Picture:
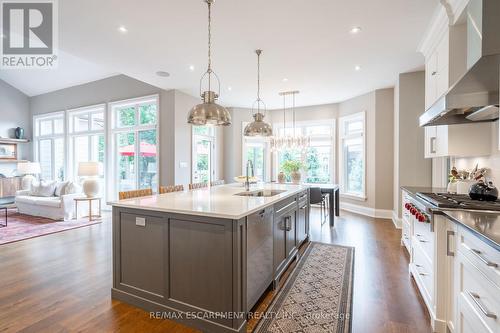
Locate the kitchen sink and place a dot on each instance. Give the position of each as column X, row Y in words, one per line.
column 260, row 193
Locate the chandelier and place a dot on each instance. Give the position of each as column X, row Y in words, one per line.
column 287, row 141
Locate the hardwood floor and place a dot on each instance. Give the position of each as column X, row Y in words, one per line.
column 62, row 282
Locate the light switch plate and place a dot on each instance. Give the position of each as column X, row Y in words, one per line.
column 140, row 221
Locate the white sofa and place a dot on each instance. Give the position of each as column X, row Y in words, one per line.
column 54, row 207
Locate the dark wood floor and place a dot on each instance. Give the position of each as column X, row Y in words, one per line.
column 61, row 282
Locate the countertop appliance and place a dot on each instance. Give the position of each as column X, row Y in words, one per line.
column 259, row 254
column 474, row 97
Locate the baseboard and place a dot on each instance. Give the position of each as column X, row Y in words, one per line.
column 366, row 211
column 396, row 220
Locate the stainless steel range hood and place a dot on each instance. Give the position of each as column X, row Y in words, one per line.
column 474, row 97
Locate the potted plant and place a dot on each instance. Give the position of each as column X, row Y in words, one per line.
column 292, row 169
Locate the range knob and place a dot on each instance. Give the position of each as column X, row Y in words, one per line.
column 413, row 211
column 407, row 206
column 422, row 218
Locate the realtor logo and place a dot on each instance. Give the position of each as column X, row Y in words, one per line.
column 29, row 34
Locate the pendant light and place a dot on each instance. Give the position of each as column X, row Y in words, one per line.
column 283, row 142
column 209, row 112
column 258, row 127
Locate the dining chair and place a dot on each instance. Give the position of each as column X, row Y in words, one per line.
column 317, row 197
column 218, row 182
column 171, row 188
column 195, row 186
column 135, row 194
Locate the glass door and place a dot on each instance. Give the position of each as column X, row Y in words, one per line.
column 202, row 161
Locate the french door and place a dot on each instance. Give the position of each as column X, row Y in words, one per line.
column 136, row 166
column 203, row 152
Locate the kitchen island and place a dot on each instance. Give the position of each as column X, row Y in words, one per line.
column 204, row 257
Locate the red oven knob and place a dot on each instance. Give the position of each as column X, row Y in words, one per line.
column 413, row 211
column 422, row 218
column 407, row 206
column 418, row 216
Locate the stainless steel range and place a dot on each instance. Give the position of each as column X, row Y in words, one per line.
column 458, row 201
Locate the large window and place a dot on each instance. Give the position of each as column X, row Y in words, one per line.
column 135, row 138
column 49, row 145
column 319, row 158
column 352, row 163
column 86, row 128
column 203, row 165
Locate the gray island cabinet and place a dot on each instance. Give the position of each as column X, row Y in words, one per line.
column 205, row 257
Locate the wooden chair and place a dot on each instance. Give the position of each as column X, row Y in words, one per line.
column 171, row 188
column 196, row 186
column 135, row 194
column 218, row 182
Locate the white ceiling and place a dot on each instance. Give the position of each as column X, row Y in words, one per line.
column 307, row 42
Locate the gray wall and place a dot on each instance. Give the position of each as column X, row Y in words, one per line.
column 410, row 166
column 14, row 112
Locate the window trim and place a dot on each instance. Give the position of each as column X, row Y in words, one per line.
column 37, row 119
column 342, row 137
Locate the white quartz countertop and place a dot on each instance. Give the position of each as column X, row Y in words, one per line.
column 217, row 201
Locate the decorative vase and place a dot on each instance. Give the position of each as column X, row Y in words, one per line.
column 281, row 177
column 463, row 186
column 296, row 177
column 19, row 132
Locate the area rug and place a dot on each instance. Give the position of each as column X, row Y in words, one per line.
column 317, row 296
column 20, row 226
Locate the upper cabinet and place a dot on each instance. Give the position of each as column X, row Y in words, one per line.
column 458, row 140
column 437, row 71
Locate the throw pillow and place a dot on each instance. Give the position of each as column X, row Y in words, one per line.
column 43, row 189
column 72, row 188
column 60, row 188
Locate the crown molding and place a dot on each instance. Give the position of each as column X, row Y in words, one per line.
column 436, row 29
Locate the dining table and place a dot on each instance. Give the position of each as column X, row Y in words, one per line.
column 333, row 191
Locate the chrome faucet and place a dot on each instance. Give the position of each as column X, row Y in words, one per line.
column 247, row 182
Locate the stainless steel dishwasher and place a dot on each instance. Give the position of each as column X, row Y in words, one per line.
column 259, row 254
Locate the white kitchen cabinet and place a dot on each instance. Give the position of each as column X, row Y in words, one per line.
column 461, row 140
column 437, row 71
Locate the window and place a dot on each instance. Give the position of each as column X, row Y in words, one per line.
column 87, row 139
column 319, row 157
column 49, row 145
column 203, row 168
column 352, row 135
column 135, row 144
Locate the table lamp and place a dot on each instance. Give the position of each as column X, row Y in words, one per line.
column 89, row 170
column 29, row 170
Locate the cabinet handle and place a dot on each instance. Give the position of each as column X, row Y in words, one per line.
column 434, row 73
column 288, row 223
column 477, row 300
column 433, row 145
column 480, row 256
column 449, row 233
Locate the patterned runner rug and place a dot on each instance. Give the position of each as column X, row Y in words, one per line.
column 20, row 226
column 318, row 295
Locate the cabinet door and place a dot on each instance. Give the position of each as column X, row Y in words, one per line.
column 453, row 290
column 280, row 234
column 430, row 141
column 442, row 141
column 443, row 64
column 302, row 223
column 291, row 230
column 430, row 80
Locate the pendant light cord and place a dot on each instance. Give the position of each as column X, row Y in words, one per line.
column 258, row 79
column 209, row 70
column 293, row 114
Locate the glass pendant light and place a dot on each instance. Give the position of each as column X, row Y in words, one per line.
column 209, row 112
column 286, row 141
column 258, row 127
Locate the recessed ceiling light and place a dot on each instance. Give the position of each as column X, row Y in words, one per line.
column 229, row 88
column 191, row 68
column 285, row 80
column 122, row 29
column 163, row 74
column 357, row 68
column 355, row 30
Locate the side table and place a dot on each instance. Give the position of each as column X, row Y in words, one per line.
column 89, row 200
